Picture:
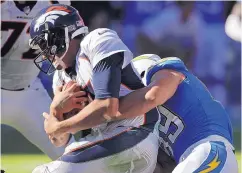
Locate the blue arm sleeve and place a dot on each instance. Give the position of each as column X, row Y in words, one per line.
column 107, row 76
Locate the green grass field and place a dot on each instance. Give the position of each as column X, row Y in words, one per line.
column 21, row 163
column 26, row 163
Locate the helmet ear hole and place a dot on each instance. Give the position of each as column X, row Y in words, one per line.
column 142, row 74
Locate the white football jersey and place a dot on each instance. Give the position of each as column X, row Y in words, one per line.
column 18, row 69
column 97, row 45
column 102, row 43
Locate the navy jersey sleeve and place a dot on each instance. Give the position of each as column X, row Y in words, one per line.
column 172, row 63
column 107, row 76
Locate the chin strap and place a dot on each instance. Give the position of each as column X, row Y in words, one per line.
column 71, row 71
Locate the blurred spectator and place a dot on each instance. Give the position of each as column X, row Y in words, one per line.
column 212, row 12
column 212, row 58
column 175, row 31
column 134, row 14
column 228, row 7
column 233, row 30
column 96, row 14
column 233, row 23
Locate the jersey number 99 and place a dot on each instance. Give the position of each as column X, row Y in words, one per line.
column 167, row 137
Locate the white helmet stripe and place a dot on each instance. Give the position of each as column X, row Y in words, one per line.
column 82, row 30
column 67, row 40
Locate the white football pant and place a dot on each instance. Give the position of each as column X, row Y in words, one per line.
column 141, row 158
column 210, row 156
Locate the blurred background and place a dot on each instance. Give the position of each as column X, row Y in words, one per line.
column 205, row 34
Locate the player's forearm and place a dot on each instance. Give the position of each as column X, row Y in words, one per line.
column 96, row 113
column 143, row 100
column 132, row 105
column 135, row 104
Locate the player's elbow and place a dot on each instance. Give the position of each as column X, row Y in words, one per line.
column 163, row 87
column 153, row 97
column 159, row 94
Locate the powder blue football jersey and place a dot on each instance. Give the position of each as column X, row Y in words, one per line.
column 191, row 114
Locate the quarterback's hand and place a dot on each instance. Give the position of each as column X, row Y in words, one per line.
column 51, row 124
column 67, row 100
column 61, row 141
column 52, row 130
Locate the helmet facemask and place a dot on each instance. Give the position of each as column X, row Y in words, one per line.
column 51, row 42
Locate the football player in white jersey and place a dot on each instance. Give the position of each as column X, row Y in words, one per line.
column 100, row 61
column 20, row 85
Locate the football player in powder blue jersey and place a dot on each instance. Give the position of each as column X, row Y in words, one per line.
column 195, row 129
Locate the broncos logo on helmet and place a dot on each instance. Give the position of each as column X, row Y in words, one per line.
column 51, row 14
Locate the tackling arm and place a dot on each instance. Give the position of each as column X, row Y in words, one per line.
column 96, row 113
column 164, row 85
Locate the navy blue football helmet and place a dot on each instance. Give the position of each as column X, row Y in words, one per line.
column 51, row 31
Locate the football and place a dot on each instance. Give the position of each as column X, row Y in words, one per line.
column 74, row 111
